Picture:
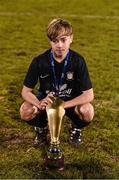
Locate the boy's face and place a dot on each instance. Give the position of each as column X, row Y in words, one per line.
column 61, row 45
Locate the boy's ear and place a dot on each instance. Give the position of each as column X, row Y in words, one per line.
column 71, row 38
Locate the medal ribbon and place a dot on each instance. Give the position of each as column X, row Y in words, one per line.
column 55, row 83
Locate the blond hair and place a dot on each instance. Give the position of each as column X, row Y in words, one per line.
column 58, row 27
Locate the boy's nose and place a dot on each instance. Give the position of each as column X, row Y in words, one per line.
column 59, row 44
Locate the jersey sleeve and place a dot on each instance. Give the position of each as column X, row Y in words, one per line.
column 85, row 81
column 32, row 75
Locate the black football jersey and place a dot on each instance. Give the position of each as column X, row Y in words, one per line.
column 76, row 78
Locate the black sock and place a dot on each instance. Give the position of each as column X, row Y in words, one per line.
column 39, row 121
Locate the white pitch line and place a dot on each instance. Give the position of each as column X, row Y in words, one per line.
column 100, row 17
column 15, row 14
column 61, row 15
column 90, row 16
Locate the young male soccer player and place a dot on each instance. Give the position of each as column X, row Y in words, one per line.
column 62, row 72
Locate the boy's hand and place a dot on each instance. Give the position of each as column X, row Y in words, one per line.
column 44, row 102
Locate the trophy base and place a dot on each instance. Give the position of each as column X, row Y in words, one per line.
column 54, row 164
column 54, row 159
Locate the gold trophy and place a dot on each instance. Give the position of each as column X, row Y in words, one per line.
column 54, row 159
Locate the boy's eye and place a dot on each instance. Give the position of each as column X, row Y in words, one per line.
column 63, row 39
column 55, row 41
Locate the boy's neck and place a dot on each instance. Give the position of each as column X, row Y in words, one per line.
column 59, row 58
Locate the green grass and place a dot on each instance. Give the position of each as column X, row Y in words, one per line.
column 96, row 37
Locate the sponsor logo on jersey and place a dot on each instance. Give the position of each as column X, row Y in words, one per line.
column 63, row 91
column 64, row 86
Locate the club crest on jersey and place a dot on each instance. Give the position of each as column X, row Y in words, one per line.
column 69, row 75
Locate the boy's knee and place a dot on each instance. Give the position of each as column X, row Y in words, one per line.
column 86, row 111
column 26, row 111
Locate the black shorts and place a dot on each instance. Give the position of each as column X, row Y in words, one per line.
column 41, row 119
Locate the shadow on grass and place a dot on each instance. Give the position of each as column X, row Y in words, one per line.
column 83, row 169
column 30, row 165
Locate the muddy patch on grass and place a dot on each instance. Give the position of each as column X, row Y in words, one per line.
column 10, row 136
column 13, row 139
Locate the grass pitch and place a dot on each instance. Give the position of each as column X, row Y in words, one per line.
column 96, row 37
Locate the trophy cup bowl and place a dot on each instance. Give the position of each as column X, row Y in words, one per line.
column 54, row 159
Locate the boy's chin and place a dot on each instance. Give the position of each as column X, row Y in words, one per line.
column 60, row 53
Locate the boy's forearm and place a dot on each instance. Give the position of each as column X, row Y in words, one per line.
column 31, row 98
column 82, row 99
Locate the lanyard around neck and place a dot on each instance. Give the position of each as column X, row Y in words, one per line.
column 58, row 83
